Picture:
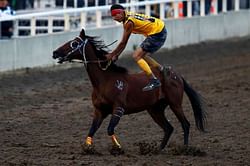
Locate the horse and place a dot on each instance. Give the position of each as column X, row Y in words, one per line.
column 118, row 92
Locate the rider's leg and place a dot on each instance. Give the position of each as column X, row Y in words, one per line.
column 138, row 55
column 151, row 44
column 145, row 67
column 152, row 62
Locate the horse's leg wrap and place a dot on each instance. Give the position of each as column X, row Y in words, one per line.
column 96, row 122
column 89, row 141
column 118, row 113
column 115, row 142
column 94, row 127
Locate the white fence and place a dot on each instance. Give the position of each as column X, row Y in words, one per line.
column 99, row 16
column 22, row 52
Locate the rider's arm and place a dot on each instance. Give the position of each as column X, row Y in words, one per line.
column 128, row 27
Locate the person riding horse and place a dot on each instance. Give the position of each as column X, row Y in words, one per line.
column 115, row 91
column 155, row 32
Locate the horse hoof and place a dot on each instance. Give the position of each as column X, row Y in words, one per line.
column 116, row 150
column 88, row 149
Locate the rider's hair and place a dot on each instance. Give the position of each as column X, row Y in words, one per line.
column 116, row 6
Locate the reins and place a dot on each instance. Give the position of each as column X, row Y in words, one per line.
column 95, row 61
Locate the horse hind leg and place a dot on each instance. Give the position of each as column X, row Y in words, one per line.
column 178, row 111
column 157, row 113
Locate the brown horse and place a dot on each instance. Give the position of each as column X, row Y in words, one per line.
column 118, row 93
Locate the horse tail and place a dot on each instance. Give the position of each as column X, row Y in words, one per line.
column 198, row 105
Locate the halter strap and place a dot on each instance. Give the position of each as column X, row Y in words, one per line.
column 85, row 61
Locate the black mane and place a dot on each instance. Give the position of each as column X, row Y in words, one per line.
column 101, row 50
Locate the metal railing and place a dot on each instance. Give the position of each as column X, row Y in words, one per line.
column 99, row 16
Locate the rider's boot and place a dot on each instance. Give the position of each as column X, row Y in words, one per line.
column 153, row 83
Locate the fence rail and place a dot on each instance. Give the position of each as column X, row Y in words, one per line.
column 98, row 16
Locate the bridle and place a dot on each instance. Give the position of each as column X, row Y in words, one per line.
column 76, row 46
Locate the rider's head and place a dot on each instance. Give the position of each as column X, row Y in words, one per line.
column 117, row 12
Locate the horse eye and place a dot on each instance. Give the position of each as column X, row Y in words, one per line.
column 74, row 44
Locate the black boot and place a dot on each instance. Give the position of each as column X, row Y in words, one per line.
column 153, row 83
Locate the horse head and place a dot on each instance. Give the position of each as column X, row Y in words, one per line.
column 88, row 50
column 72, row 49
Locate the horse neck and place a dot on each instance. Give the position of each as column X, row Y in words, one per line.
column 96, row 75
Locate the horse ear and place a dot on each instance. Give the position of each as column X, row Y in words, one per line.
column 82, row 33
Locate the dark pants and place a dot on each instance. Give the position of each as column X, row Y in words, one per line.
column 6, row 27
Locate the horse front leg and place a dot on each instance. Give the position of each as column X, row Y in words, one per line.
column 96, row 123
column 115, row 118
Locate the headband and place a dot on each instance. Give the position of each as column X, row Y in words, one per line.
column 116, row 11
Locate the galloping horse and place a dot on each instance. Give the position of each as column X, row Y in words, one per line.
column 118, row 93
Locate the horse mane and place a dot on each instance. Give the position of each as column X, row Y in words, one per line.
column 101, row 50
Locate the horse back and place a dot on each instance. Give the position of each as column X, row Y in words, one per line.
column 138, row 99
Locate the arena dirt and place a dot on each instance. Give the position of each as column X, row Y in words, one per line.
column 45, row 114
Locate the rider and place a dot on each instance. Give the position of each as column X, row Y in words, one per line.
column 154, row 31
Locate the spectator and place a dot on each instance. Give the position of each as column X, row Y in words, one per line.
column 207, row 6
column 21, row 4
column 6, row 26
column 229, row 5
column 196, row 8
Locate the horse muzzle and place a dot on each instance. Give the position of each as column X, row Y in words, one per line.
column 56, row 55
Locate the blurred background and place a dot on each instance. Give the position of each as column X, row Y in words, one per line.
column 26, row 24
column 169, row 9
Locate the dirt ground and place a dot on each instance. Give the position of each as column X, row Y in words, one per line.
column 45, row 114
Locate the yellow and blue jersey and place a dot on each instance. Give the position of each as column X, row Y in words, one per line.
column 143, row 24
